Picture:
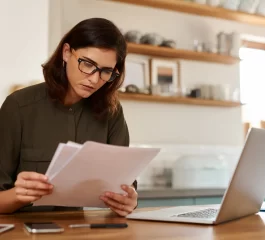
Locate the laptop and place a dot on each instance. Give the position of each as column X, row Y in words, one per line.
column 243, row 197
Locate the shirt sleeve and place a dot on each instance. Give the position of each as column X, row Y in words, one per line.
column 118, row 133
column 10, row 139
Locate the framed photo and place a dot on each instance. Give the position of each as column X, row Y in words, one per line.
column 165, row 74
column 137, row 72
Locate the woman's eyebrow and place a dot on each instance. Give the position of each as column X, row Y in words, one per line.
column 90, row 60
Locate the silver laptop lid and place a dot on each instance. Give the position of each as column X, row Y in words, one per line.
column 246, row 190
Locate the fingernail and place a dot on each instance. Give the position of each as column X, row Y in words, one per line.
column 107, row 194
column 51, row 186
column 123, row 187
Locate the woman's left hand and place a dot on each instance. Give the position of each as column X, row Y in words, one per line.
column 121, row 204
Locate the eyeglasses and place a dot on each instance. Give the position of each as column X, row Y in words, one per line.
column 89, row 68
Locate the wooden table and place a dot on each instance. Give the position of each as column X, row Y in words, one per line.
column 246, row 228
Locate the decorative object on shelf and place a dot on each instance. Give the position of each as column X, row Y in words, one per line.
column 228, row 43
column 169, row 43
column 230, row 4
column 222, row 43
column 195, row 93
column 209, row 47
column 137, row 73
column 261, row 8
column 249, row 6
column 213, row 3
column 131, row 88
column 133, row 36
column 165, row 77
column 152, row 39
column 234, row 44
column 200, row 1
column 198, row 46
column 219, row 92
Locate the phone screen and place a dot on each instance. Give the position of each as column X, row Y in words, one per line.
column 43, row 225
column 36, row 227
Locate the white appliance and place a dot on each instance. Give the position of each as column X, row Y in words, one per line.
column 197, row 171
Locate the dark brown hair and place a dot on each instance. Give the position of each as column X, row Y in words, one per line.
column 93, row 32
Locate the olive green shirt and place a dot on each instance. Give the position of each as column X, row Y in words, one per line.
column 32, row 126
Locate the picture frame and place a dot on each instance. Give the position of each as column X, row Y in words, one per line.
column 165, row 74
column 137, row 72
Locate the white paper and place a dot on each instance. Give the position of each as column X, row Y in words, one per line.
column 61, row 157
column 73, row 144
column 93, row 169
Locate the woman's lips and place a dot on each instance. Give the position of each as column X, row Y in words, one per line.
column 87, row 87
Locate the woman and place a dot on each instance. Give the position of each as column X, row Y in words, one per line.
column 77, row 103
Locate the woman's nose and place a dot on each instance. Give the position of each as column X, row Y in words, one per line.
column 94, row 78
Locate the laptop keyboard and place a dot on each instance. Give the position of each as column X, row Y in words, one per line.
column 205, row 213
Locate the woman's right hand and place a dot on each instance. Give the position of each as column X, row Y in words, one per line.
column 31, row 186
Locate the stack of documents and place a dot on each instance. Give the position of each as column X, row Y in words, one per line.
column 81, row 173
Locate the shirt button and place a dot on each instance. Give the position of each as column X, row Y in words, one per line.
column 70, row 109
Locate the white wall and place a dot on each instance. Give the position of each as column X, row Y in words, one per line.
column 23, row 41
column 154, row 123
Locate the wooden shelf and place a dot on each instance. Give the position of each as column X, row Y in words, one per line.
column 177, row 100
column 199, row 9
column 167, row 52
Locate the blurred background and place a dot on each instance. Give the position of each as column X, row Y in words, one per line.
column 194, row 81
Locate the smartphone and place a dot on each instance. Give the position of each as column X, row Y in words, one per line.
column 43, row 227
column 6, row 227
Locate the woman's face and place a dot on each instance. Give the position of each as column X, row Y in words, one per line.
column 82, row 83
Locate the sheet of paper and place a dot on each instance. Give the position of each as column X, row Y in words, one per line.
column 62, row 155
column 94, row 169
column 73, row 144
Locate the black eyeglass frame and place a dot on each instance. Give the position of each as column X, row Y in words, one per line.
column 114, row 74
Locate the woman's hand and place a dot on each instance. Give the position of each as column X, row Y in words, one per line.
column 121, row 204
column 31, row 186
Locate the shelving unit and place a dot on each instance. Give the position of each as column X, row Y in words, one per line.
column 176, row 100
column 166, row 52
column 199, row 9
column 173, row 53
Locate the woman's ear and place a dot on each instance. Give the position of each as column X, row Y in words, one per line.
column 66, row 52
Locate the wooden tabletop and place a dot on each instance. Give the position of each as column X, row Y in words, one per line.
column 246, row 228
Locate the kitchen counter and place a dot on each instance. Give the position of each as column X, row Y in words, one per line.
column 155, row 193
